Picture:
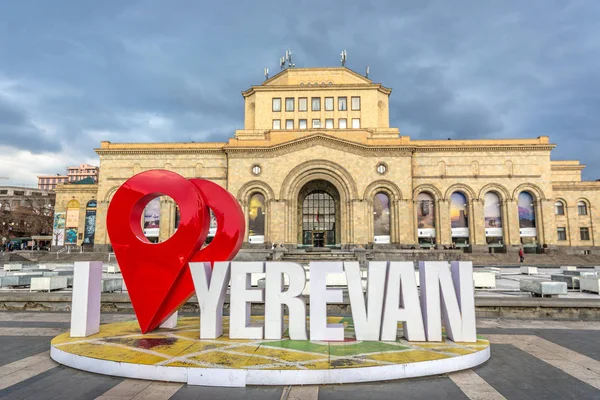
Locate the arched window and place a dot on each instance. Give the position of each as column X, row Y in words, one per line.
column 426, row 218
column 256, row 218
column 581, row 208
column 90, row 222
column 459, row 218
column 559, row 208
column 381, row 218
column 492, row 214
column 527, row 223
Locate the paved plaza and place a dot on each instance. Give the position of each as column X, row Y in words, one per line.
column 530, row 360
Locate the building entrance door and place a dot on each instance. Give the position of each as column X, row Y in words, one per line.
column 318, row 239
column 318, row 219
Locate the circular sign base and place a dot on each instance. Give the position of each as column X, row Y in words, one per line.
column 178, row 355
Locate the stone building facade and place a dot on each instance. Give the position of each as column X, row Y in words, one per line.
column 317, row 164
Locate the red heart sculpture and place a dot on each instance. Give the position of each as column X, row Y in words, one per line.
column 157, row 275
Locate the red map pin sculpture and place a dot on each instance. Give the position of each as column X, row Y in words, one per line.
column 157, row 276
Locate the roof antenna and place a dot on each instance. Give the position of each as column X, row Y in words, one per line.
column 344, row 57
column 266, row 74
column 367, row 72
column 286, row 59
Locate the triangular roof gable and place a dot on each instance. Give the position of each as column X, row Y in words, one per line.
column 319, row 76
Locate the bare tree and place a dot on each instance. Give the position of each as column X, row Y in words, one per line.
column 26, row 217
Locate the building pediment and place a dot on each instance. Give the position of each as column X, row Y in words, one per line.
column 315, row 139
column 317, row 77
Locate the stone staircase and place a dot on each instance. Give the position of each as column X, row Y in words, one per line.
column 305, row 257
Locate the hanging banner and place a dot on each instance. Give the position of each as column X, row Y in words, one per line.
column 58, row 229
column 425, row 215
column 459, row 218
column 256, row 219
column 381, row 218
column 492, row 214
column 71, row 236
column 527, row 226
column 90, row 227
column 72, row 218
column 152, row 218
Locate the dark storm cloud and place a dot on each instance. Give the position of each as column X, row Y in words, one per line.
column 16, row 130
column 157, row 71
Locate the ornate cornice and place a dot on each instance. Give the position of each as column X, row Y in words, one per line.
column 431, row 149
column 576, row 186
column 103, row 152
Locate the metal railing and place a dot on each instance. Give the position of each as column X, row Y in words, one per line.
column 66, row 249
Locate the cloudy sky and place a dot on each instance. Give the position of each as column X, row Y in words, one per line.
column 73, row 73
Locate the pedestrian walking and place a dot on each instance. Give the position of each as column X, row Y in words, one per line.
column 521, row 255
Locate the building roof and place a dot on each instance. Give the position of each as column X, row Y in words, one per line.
column 84, row 181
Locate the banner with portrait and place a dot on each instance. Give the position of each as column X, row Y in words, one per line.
column 58, row 229
column 256, row 219
column 90, row 227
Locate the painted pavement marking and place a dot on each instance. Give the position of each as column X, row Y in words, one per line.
column 31, row 331
column 300, row 393
column 577, row 365
column 127, row 389
column 26, row 368
column 474, row 387
column 141, row 390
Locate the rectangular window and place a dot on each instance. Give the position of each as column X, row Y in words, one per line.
column 289, row 104
column 342, row 103
column 302, row 104
column 316, row 104
column 289, row 124
column 562, row 233
column 342, row 123
column 276, row 104
column 328, row 103
column 355, row 123
column 584, row 233
column 329, row 123
column 302, row 124
column 316, row 123
column 355, row 103
column 581, row 208
column 276, row 124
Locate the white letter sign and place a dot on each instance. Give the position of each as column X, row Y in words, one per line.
column 276, row 297
column 211, row 285
column 320, row 297
column 242, row 295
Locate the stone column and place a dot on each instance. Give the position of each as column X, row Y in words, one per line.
column 477, row 226
column 406, row 222
column 511, row 225
column 276, row 222
column 443, row 232
column 548, row 223
column 101, row 240
column 165, row 225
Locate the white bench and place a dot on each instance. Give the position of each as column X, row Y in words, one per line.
column 48, row 283
column 542, row 288
column 589, row 284
column 13, row 267
column 572, row 281
column 484, row 279
column 112, row 285
column 113, row 269
column 526, row 270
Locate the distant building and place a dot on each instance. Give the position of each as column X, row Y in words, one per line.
column 74, row 174
column 49, row 182
column 81, row 172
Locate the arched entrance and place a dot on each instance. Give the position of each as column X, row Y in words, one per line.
column 319, row 214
